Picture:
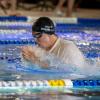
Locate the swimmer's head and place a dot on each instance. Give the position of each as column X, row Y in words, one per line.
column 43, row 30
column 44, row 25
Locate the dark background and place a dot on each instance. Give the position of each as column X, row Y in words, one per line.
column 95, row 4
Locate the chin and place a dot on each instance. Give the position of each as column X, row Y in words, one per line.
column 44, row 47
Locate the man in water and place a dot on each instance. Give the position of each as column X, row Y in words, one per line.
column 43, row 31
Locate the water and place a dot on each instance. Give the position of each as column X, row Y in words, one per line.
column 13, row 68
column 11, row 59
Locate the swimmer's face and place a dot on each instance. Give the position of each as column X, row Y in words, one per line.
column 43, row 40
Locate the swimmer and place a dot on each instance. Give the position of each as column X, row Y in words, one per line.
column 43, row 31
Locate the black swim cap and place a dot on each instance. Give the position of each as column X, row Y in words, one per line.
column 44, row 25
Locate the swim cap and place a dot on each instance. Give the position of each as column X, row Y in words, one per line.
column 44, row 25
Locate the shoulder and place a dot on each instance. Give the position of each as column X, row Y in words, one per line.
column 68, row 43
column 72, row 54
column 70, row 48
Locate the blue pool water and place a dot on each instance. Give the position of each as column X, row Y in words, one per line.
column 87, row 38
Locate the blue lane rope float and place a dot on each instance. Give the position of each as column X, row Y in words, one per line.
column 77, row 26
column 60, row 85
column 15, row 25
column 13, row 18
column 59, row 26
column 64, row 20
column 17, row 42
column 88, row 20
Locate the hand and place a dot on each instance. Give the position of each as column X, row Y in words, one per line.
column 28, row 53
column 31, row 55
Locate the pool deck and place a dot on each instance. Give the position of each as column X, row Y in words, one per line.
column 82, row 13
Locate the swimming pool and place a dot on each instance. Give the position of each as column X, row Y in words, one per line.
column 85, row 34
